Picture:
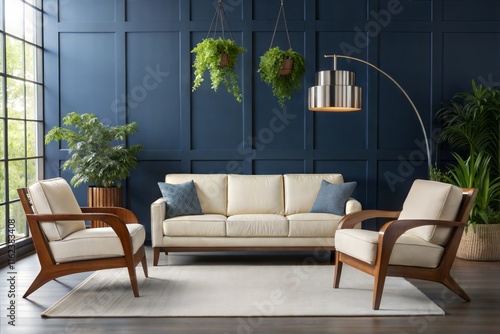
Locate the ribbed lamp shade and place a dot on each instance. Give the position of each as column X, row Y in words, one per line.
column 335, row 92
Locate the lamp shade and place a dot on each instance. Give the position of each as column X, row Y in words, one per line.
column 335, row 92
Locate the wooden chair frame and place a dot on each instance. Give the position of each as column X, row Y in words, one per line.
column 387, row 237
column 115, row 217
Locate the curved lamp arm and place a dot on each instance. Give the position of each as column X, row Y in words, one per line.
column 401, row 88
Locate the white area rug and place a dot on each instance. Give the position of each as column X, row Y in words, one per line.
column 239, row 291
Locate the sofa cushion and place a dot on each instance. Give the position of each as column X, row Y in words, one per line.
column 332, row 197
column 255, row 194
column 211, row 190
column 362, row 244
column 212, row 225
column 55, row 196
column 313, row 224
column 95, row 243
column 301, row 190
column 181, row 199
column 257, row 225
column 431, row 200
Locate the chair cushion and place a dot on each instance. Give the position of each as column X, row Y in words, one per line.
column 431, row 200
column 257, row 225
column 211, row 190
column 95, row 243
column 333, row 197
column 301, row 190
column 313, row 224
column 55, row 196
column 195, row 226
column 255, row 194
column 362, row 245
column 181, row 199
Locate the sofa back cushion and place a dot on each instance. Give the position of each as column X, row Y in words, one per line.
column 432, row 200
column 211, row 190
column 301, row 190
column 247, row 194
column 55, row 196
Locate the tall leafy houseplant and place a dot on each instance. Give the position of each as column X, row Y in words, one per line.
column 211, row 55
column 283, row 85
column 98, row 154
column 471, row 125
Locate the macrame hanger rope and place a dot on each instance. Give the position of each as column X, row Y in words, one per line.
column 282, row 9
column 219, row 15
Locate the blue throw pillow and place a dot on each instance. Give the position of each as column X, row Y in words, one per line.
column 181, row 199
column 332, row 197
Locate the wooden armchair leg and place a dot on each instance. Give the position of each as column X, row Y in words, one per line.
column 338, row 271
column 144, row 263
column 378, row 288
column 39, row 281
column 451, row 284
column 133, row 280
column 156, row 256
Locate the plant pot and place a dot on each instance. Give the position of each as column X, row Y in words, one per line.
column 101, row 197
column 286, row 67
column 224, row 61
column 484, row 245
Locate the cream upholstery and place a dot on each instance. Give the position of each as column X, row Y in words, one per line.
column 362, row 244
column 249, row 211
column 55, row 196
column 95, row 243
column 255, row 194
column 431, row 200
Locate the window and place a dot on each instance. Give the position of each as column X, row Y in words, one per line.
column 21, row 109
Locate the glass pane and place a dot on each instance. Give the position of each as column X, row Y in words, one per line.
column 14, row 17
column 16, row 139
column 30, row 61
column 1, row 52
column 3, row 193
column 30, row 100
column 33, row 28
column 34, row 170
column 3, row 219
column 2, row 140
column 38, row 103
column 15, row 98
column 2, row 110
column 20, row 227
column 17, row 177
column 39, row 65
column 14, row 48
column 31, row 142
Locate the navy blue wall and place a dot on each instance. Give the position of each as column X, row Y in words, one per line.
column 129, row 60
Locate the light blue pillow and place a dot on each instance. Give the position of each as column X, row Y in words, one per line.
column 181, row 199
column 332, row 197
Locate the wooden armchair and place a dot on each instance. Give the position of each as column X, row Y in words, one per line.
column 422, row 243
column 65, row 246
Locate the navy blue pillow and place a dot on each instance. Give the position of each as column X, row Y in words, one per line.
column 332, row 197
column 181, row 199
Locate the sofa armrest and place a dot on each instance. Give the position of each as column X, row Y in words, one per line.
column 352, row 205
column 158, row 215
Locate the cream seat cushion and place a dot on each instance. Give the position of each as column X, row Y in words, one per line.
column 95, row 243
column 55, row 196
column 209, row 225
column 313, row 224
column 257, row 225
column 362, row 244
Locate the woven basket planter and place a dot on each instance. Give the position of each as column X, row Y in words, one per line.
column 484, row 245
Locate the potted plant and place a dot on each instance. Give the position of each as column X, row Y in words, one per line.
column 471, row 124
column 283, row 70
column 219, row 57
column 98, row 156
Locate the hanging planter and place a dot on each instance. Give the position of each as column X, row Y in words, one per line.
column 219, row 57
column 283, row 70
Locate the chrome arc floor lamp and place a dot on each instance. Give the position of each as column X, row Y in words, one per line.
column 335, row 91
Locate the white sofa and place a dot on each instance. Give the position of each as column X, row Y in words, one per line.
column 248, row 212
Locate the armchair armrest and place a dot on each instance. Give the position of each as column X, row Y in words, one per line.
column 126, row 215
column 353, row 219
column 158, row 215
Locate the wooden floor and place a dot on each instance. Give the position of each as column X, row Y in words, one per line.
column 481, row 280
